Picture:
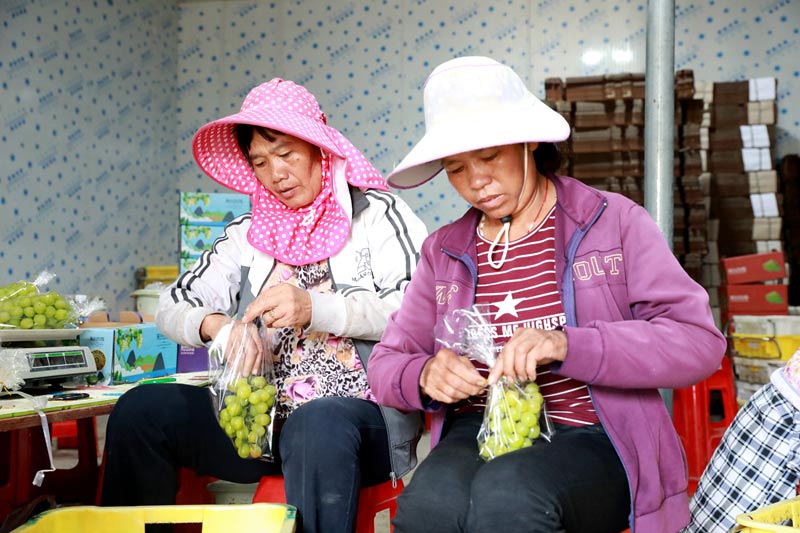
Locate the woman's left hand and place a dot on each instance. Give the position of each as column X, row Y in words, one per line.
column 526, row 350
column 281, row 306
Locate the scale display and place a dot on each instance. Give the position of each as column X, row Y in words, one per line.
column 47, row 359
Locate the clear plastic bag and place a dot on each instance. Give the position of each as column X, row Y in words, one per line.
column 27, row 305
column 244, row 404
column 515, row 414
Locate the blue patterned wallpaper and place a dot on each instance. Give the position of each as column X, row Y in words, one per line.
column 99, row 100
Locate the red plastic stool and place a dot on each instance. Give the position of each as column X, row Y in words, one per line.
column 692, row 418
column 371, row 500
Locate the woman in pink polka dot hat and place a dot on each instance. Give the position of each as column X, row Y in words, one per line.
column 322, row 260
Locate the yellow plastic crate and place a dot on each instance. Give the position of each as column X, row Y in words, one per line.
column 252, row 518
column 766, row 519
column 768, row 347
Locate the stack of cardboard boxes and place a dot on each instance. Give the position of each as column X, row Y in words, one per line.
column 744, row 187
column 755, row 308
column 606, row 147
column 203, row 218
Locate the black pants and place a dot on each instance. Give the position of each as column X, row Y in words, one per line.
column 574, row 484
column 328, row 448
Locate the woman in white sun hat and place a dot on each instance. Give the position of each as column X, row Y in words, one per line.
column 585, row 298
column 322, row 260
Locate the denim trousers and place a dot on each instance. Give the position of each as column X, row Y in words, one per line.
column 576, row 483
column 327, row 450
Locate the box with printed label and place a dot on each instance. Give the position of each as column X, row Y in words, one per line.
column 753, row 268
column 212, row 208
column 755, row 299
column 130, row 351
column 192, row 358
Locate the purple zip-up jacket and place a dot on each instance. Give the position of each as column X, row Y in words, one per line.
column 636, row 322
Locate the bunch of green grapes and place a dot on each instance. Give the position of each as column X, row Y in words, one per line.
column 22, row 306
column 246, row 414
column 513, row 415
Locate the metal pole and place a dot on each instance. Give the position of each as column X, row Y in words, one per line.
column 659, row 119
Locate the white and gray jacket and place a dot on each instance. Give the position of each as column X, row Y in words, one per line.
column 369, row 274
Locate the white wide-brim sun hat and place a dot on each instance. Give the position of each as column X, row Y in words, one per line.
column 473, row 103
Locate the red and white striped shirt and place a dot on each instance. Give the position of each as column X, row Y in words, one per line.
column 524, row 293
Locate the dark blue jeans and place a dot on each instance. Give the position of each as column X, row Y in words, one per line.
column 328, row 448
column 574, row 484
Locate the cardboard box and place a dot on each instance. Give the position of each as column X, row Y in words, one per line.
column 754, row 299
column 753, row 268
column 188, row 260
column 753, row 370
column 192, row 358
column 212, row 208
column 131, row 351
column 196, row 238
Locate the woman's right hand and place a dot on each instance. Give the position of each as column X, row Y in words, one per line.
column 449, row 378
column 244, row 346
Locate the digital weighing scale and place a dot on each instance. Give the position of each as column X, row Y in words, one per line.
column 49, row 364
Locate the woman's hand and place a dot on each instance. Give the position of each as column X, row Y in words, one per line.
column 243, row 346
column 526, row 350
column 448, row 378
column 245, row 349
column 281, row 306
column 211, row 325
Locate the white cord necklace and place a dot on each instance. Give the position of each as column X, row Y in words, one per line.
column 506, row 220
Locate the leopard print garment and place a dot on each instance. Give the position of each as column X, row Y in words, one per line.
column 317, row 365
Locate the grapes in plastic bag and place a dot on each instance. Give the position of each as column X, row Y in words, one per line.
column 244, row 404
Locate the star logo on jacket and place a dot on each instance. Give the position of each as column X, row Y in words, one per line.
column 507, row 306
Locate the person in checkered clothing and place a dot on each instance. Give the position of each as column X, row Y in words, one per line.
column 758, row 460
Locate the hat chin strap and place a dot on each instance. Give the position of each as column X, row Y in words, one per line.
column 506, row 220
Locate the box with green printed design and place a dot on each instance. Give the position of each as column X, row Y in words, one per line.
column 131, row 351
column 216, row 209
column 753, row 268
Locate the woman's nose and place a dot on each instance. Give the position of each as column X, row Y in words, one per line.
column 279, row 171
column 479, row 177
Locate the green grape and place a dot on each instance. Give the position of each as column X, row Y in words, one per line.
column 4, row 317
column 39, row 321
column 262, row 419
column 243, row 390
column 28, row 311
column 244, row 451
column 237, row 422
column 26, row 323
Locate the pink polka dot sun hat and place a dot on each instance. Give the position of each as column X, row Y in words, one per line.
column 294, row 236
column 472, row 103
